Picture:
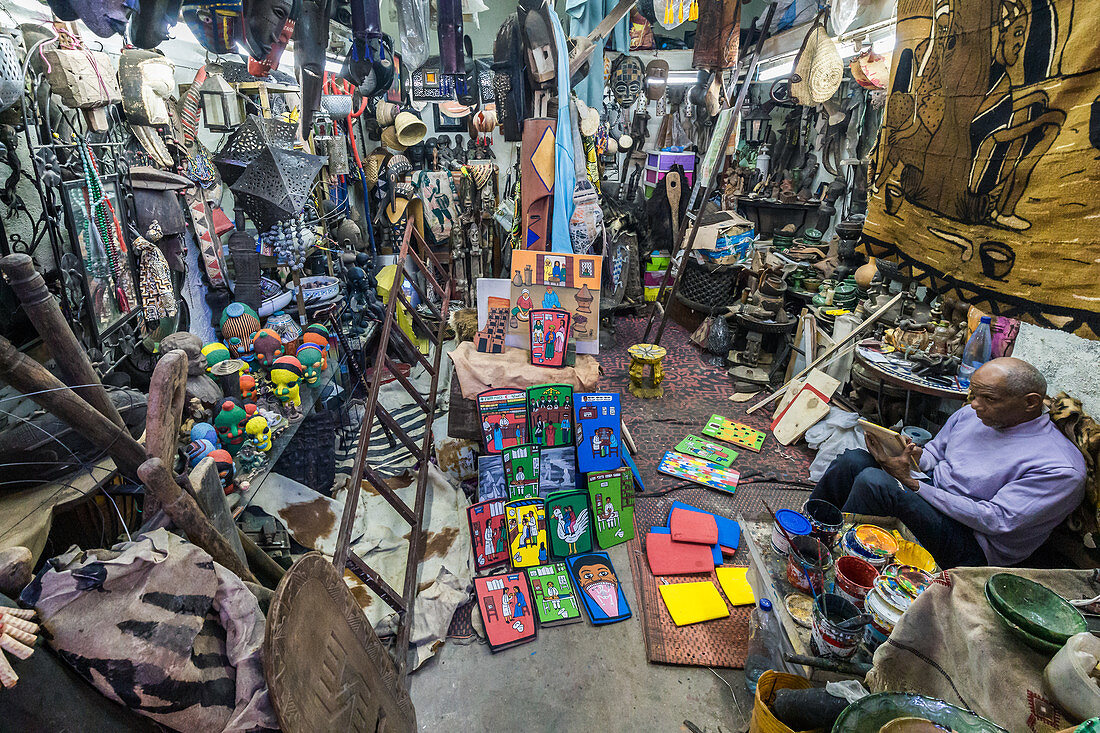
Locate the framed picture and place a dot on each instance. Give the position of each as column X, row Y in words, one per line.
column 549, row 336
column 445, row 123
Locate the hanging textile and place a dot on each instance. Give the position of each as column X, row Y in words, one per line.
column 565, row 175
column 718, row 34
column 584, row 16
column 158, row 300
column 986, row 170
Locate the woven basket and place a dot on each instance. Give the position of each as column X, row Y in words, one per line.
column 705, row 287
column 762, row 719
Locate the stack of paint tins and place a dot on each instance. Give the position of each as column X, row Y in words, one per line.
column 894, row 590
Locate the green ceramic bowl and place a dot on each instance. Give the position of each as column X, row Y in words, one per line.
column 1038, row 644
column 870, row 713
column 1035, row 608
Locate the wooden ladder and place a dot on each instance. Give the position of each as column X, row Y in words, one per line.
column 439, row 283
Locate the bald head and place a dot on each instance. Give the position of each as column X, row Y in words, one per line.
column 1007, row 391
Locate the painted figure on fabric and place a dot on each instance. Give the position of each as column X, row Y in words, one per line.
column 506, row 606
column 1015, row 127
column 520, row 601
column 597, row 580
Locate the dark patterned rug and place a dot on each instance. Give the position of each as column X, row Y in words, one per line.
column 694, row 390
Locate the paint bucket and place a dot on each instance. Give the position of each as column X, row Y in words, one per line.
column 825, row 520
column 830, row 639
column 808, row 561
column 910, row 553
column 883, row 613
column 920, row 436
column 795, row 524
column 910, row 579
column 873, row 544
column 854, row 579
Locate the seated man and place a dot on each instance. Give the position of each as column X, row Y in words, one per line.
column 1002, row 475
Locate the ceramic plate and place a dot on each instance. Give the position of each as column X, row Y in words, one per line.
column 1040, row 645
column 870, row 713
column 1035, row 608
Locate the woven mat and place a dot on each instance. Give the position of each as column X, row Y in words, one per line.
column 718, row 643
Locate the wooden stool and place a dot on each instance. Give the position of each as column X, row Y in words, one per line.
column 642, row 355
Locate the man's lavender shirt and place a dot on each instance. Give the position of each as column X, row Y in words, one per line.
column 1011, row 486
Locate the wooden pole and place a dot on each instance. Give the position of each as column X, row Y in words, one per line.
column 167, row 395
column 35, row 381
column 185, row 512
column 827, row 353
column 70, row 355
column 708, row 189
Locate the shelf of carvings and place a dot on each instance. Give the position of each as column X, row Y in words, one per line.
column 310, row 395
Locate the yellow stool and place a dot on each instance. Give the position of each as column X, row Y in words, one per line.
column 641, row 356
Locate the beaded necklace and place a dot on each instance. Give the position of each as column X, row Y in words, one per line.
column 101, row 212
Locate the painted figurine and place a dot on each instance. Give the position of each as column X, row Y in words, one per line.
column 250, row 458
column 248, row 386
column 199, row 449
column 259, row 433
column 267, row 345
column 224, row 463
column 204, row 431
column 313, row 362
column 215, row 353
column 316, row 333
column 286, row 373
column 237, row 325
column 229, row 423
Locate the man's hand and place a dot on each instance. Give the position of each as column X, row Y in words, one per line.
column 897, row 465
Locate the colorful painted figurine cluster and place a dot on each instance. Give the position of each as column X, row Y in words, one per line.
column 239, row 428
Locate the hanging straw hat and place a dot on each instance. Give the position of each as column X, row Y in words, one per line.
column 373, row 165
column 385, row 113
column 391, row 141
column 818, row 70
column 410, row 128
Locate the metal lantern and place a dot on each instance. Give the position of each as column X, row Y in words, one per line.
column 276, row 185
column 246, row 143
column 757, row 125
column 220, row 106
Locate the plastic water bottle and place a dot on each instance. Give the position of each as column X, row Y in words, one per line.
column 979, row 350
column 763, row 652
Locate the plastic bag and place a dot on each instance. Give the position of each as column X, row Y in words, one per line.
column 832, row 436
column 412, row 20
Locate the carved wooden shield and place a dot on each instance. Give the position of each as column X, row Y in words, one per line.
column 325, row 666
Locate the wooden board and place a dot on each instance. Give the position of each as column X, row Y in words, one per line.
column 808, row 407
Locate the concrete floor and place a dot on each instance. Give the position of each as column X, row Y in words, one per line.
column 574, row 678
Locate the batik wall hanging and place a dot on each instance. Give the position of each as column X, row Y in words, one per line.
column 563, row 281
column 986, row 167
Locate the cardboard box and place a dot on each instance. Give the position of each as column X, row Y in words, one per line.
column 721, row 224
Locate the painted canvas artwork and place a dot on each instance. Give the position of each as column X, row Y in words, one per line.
column 527, row 532
column 558, row 470
column 488, row 533
column 552, row 280
column 503, row 416
column 521, row 471
column 490, row 478
column 599, row 588
column 741, row 435
column 693, row 445
column 570, row 528
column 549, row 337
column 598, row 425
column 505, row 602
column 611, row 496
column 490, row 340
column 550, row 414
column 698, row 471
column 552, row 595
